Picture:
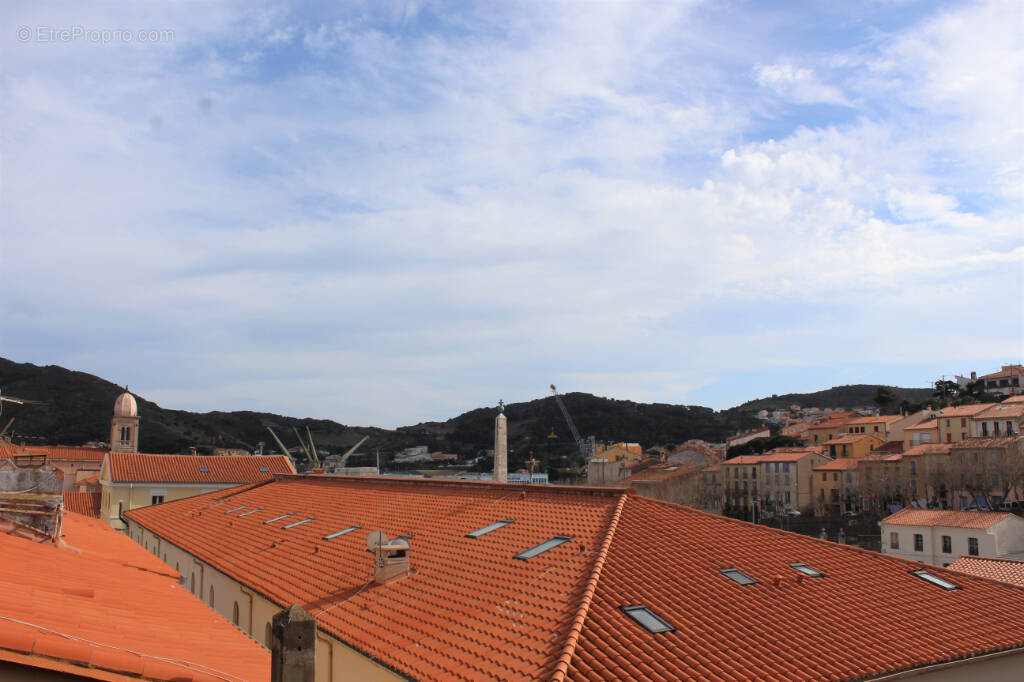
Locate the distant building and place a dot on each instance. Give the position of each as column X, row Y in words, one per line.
column 134, row 480
column 1002, row 419
column 1007, row 381
column 786, row 478
column 939, row 537
column 835, row 487
column 852, row 445
column 1003, row 570
column 747, row 436
column 124, row 425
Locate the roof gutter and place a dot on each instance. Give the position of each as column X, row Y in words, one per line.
column 562, row 667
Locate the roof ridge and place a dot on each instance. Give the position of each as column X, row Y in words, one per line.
column 562, row 666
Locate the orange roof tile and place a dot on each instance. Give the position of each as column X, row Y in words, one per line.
column 929, row 449
column 744, row 459
column 925, row 425
column 964, row 410
column 471, row 610
column 1006, row 371
column 789, row 454
column 839, row 464
column 1003, row 570
column 1001, row 411
column 128, row 467
column 992, row 442
column 92, row 613
column 87, row 504
column 950, row 519
column 56, row 452
column 874, row 420
column 1014, row 399
column 848, row 438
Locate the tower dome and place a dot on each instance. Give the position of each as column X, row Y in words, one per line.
column 125, row 406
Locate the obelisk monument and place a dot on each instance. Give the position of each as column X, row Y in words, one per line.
column 501, row 445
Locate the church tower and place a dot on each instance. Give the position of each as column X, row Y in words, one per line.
column 501, row 446
column 124, row 425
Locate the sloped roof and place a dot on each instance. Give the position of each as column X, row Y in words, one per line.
column 1003, row 570
column 929, row 449
column 950, row 519
column 471, row 610
column 964, row 410
column 87, row 609
column 874, row 420
column 744, row 459
column 839, row 464
column 1001, row 411
column 1006, row 371
column 86, row 504
column 789, row 454
column 925, row 425
column 129, row 467
column 848, row 438
column 56, row 452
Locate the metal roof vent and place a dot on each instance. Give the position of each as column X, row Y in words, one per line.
column 390, row 557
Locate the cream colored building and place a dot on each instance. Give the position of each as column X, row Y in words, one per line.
column 786, row 478
column 133, row 480
column 940, row 537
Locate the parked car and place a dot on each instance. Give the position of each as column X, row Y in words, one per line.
column 792, row 512
column 852, row 512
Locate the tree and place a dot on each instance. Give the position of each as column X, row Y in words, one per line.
column 885, row 397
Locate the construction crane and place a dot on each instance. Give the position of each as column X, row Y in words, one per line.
column 282, row 446
column 351, row 450
column 585, row 446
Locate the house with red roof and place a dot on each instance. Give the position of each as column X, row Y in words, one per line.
column 489, row 581
column 937, row 536
column 95, row 605
column 131, row 480
column 77, row 463
column 1003, row 570
column 786, row 478
column 1000, row 419
column 835, row 487
column 1009, row 380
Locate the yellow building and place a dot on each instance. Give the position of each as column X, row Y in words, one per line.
column 829, row 428
column 835, row 487
column 918, row 434
column 740, row 493
column 852, row 445
column 614, row 452
column 132, row 480
column 786, row 478
column 954, row 423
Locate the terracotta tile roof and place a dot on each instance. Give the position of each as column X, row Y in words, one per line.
column 925, row 425
column 659, row 474
column 1014, row 399
column 472, row 611
column 140, row 468
column 929, row 449
column 56, row 452
column 993, row 442
column 949, row 519
column 668, row 559
column 1003, row 570
column 874, row 420
column 890, row 446
column 964, row 410
column 1006, row 371
column 95, row 615
column 789, row 454
column 848, row 438
column 1001, row 411
column 87, row 504
column 882, row 457
column 839, row 464
column 744, row 459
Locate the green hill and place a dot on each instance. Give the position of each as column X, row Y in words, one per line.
column 857, row 395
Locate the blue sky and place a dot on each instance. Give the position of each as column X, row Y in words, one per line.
column 385, row 213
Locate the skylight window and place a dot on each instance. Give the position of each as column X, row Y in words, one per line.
column 299, row 523
column 230, row 511
column 278, row 518
column 935, row 580
column 487, row 529
column 543, row 547
column 264, row 470
column 204, row 470
column 738, row 575
column 650, row 620
column 339, row 533
column 251, row 511
column 807, row 570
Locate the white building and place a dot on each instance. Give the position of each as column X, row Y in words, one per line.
column 941, row 537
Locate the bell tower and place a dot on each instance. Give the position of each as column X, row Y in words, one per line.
column 124, row 425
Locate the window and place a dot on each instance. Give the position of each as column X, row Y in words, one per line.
column 972, row 546
column 192, row 584
column 894, row 540
column 204, row 470
column 1009, row 428
column 650, row 620
column 267, row 635
column 738, row 576
column 807, row 570
column 934, row 579
column 543, row 547
column 339, row 533
column 824, row 476
column 211, row 596
column 234, row 614
column 487, row 529
column 947, row 544
column 913, row 468
column 918, row 542
column 787, row 497
column 785, row 467
column 264, row 470
column 995, row 480
column 963, row 422
column 156, row 499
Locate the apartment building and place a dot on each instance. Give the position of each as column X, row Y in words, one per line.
column 940, row 537
column 786, row 478
column 835, row 487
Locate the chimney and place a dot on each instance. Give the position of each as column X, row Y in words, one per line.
column 501, row 445
column 390, row 557
column 192, row 451
column 974, row 376
column 293, row 646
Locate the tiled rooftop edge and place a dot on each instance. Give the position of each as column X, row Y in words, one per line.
column 564, row 660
